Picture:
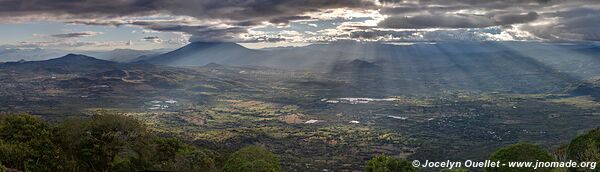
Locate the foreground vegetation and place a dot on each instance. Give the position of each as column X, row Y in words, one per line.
column 111, row 143
column 119, row 143
column 584, row 148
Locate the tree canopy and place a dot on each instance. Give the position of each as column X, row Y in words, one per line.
column 111, row 142
column 520, row 152
column 26, row 143
column 585, row 148
column 100, row 143
column 252, row 159
column 389, row 164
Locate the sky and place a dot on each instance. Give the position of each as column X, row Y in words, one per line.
column 155, row 24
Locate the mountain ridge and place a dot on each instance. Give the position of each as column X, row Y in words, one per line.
column 202, row 53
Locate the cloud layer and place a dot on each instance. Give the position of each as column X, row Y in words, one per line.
column 325, row 20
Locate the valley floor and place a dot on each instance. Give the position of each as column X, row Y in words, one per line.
column 312, row 121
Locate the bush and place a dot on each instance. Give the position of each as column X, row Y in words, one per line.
column 585, row 148
column 389, row 164
column 520, row 152
column 252, row 159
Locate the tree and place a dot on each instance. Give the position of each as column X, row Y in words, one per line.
column 166, row 148
column 585, row 148
column 26, row 143
column 520, row 152
column 172, row 154
column 252, row 159
column 389, row 164
column 106, row 142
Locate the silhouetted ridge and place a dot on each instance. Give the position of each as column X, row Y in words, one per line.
column 69, row 59
column 75, row 60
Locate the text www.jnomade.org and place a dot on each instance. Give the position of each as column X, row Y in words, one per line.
column 497, row 164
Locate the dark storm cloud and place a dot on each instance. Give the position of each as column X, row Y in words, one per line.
column 557, row 19
column 217, row 34
column 264, row 10
column 285, row 20
column 415, row 8
column 88, row 8
column 455, row 20
column 437, row 21
column 202, row 32
column 507, row 19
column 466, row 13
column 415, row 35
column 239, row 13
column 374, row 34
column 74, row 35
column 476, row 3
column 573, row 24
column 459, row 13
column 238, row 10
column 568, row 19
column 98, row 22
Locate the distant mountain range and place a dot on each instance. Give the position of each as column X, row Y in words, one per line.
column 70, row 63
column 577, row 60
column 9, row 54
column 124, row 55
column 465, row 60
column 510, row 66
column 68, row 60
